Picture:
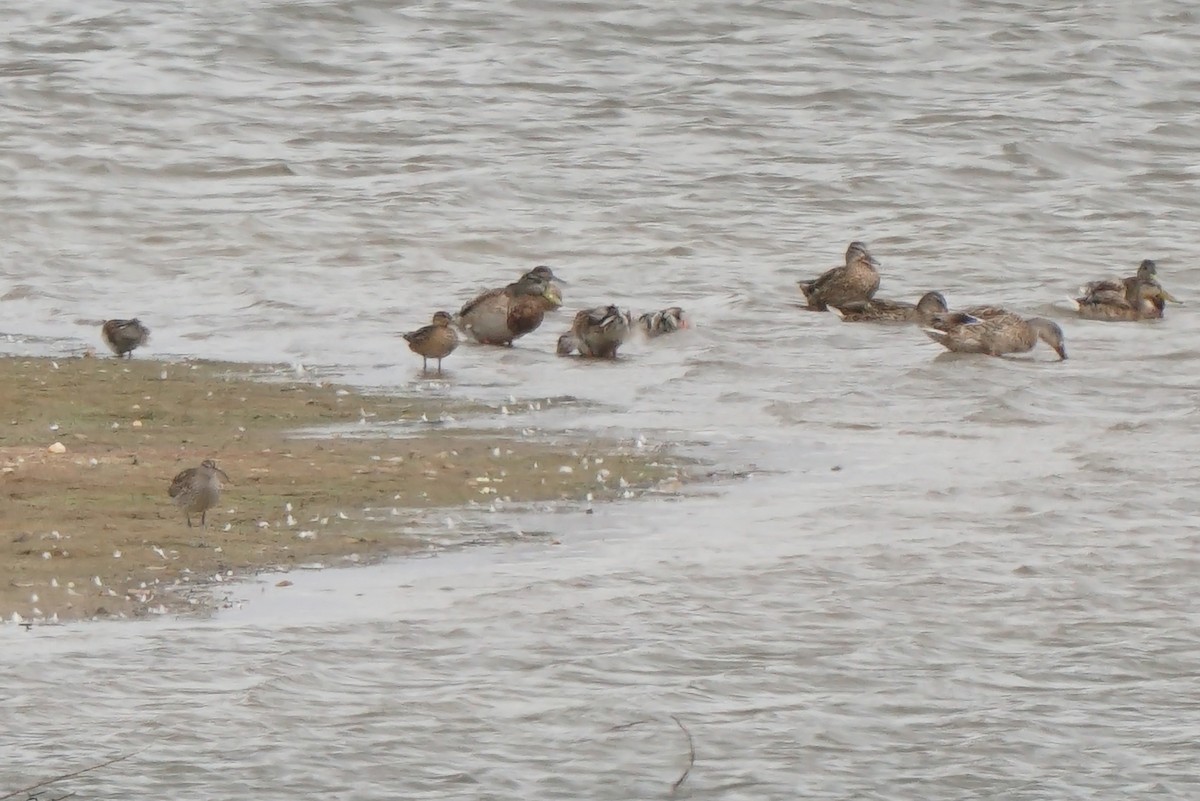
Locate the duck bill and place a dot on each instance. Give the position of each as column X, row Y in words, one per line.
column 553, row 296
column 1062, row 353
column 1168, row 296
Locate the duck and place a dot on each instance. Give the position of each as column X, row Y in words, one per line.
column 854, row 282
column 994, row 331
column 1139, row 300
column 596, row 333
column 434, row 341
column 880, row 310
column 499, row 316
column 197, row 489
column 663, row 321
column 1146, row 271
column 124, row 336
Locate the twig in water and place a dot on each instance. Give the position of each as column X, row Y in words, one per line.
column 72, row 775
column 691, row 754
column 691, row 747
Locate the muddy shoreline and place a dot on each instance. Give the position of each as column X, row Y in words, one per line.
column 90, row 446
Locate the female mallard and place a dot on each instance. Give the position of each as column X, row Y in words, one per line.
column 1140, row 300
column 664, row 321
column 878, row 310
column 1146, row 271
column 122, row 336
column 994, row 331
column 435, row 341
column 854, row 282
column 499, row 316
column 596, row 333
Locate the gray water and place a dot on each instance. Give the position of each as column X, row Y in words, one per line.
column 994, row 597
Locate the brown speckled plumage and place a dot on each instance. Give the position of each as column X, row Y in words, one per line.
column 434, row 341
column 993, row 331
column 855, row 281
column 197, row 489
column 123, row 336
column 880, row 310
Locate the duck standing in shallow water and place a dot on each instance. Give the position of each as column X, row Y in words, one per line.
column 854, row 282
column 434, row 341
column 499, row 316
column 596, row 333
column 664, row 321
column 879, row 310
column 123, row 336
column 994, row 331
column 1139, row 300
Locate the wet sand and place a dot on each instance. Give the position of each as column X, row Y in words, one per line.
column 87, row 530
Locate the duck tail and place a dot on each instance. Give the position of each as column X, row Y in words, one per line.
column 841, row 314
column 937, row 336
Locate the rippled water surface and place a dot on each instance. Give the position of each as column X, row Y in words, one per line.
column 993, row 596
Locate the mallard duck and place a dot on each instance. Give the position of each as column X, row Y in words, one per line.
column 854, row 282
column 499, row 316
column 596, row 333
column 879, row 310
column 122, row 336
column 994, row 331
column 1146, row 271
column 197, row 489
column 435, row 341
column 1140, row 300
column 664, row 321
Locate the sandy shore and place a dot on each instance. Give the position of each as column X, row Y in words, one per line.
column 87, row 529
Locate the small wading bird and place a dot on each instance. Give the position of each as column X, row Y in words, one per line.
column 854, row 282
column 878, row 310
column 994, row 331
column 499, row 316
column 596, row 333
column 122, row 336
column 1135, row 300
column 664, row 321
column 198, row 489
column 435, row 341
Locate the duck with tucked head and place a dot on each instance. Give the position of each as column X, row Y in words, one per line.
column 596, row 333
column 434, row 341
column 1139, row 300
column 854, row 282
column 664, row 321
column 880, row 310
column 994, row 331
column 499, row 316
column 123, row 336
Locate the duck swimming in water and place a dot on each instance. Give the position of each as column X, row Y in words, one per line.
column 1139, row 300
column 596, row 333
column 664, row 321
column 994, row 331
column 854, row 282
column 880, row 310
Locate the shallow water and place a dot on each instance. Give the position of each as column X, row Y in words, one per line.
column 993, row 597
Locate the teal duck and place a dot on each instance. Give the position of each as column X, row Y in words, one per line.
column 434, row 341
column 123, row 336
column 663, row 321
column 596, row 333
column 197, row 489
